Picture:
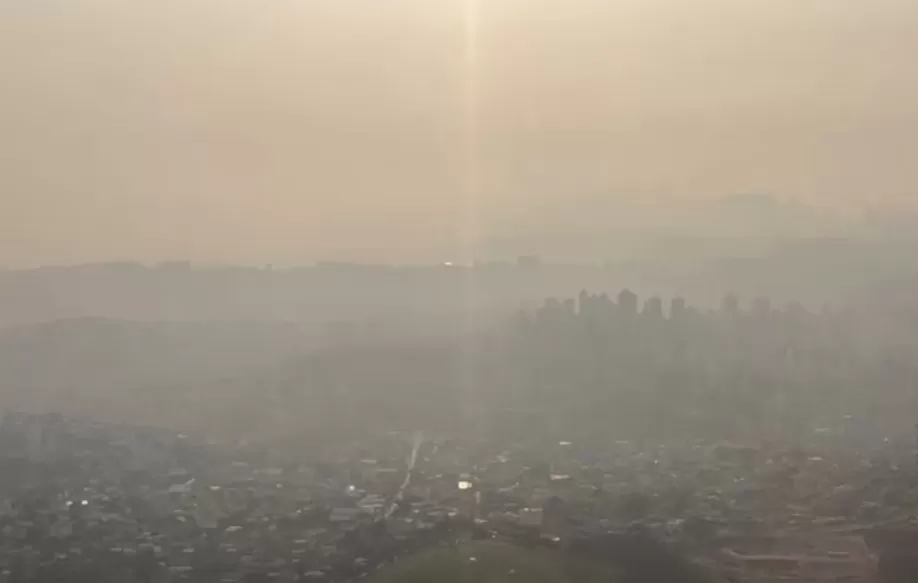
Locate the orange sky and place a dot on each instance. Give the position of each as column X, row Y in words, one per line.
column 290, row 130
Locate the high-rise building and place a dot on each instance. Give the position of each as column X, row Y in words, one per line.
column 653, row 308
column 627, row 303
column 677, row 308
column 730, row 305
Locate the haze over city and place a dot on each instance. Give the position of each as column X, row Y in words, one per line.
column 289, row 132
column 458, row 291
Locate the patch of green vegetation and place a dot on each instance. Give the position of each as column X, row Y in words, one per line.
column 491, row 562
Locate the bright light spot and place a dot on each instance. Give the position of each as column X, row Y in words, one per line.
column 465, row 485
column 351, row 489
column 85, row 502
column 447, row 264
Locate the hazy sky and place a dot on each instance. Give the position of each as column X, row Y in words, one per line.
column 294, row 130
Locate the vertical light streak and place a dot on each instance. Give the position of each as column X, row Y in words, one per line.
column 471, row 146
column 470, row 226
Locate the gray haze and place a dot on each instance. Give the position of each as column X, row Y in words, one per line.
column 235, row 206
column 306, row 352
column 310, row 290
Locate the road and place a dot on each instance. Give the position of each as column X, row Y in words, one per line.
column 412, row 460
